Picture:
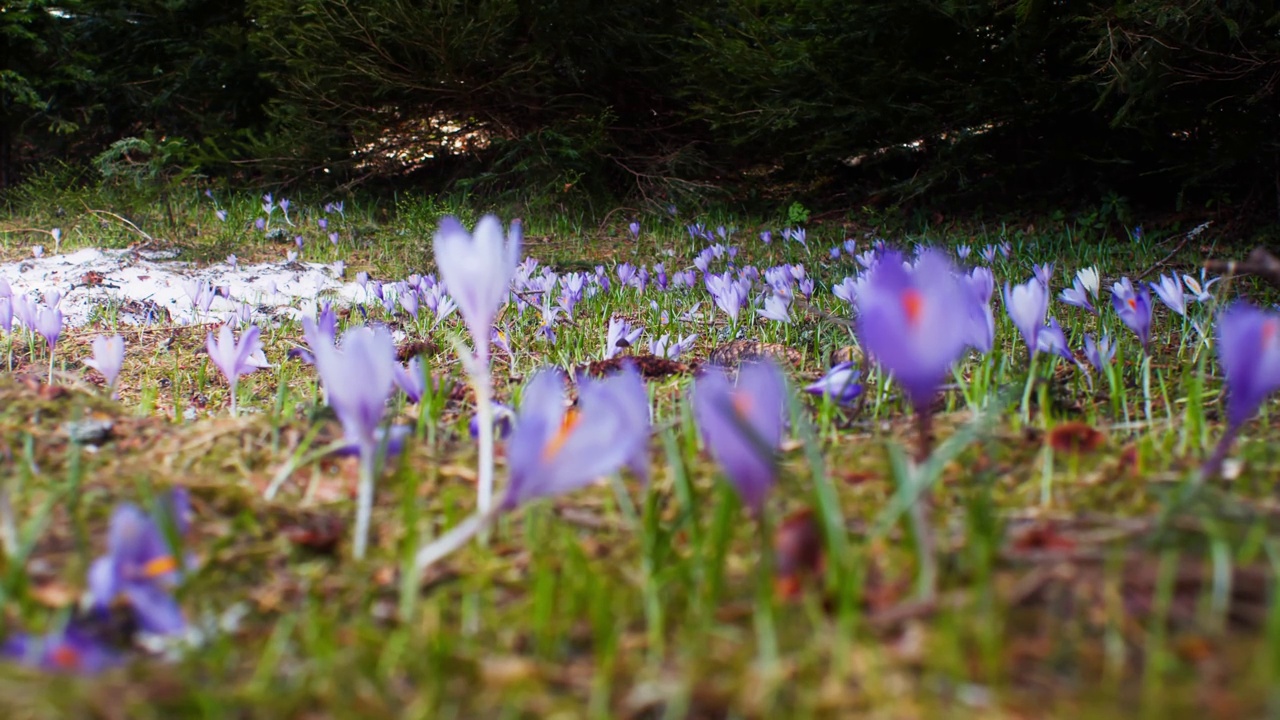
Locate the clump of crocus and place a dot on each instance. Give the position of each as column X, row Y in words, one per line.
column 234, row 357
column 133, row 581
column 141, row 567
column 1249, row 352
column 554, row 449
column 742, row 426
column 74, row 648
column 477, row 268
column 108, row 359
column 358, row 377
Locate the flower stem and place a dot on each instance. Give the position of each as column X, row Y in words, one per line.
column 1213, row 466
column 1026, row 391
column 921, row 509
column 51, row 366
column 481, row 380
column 364, row 499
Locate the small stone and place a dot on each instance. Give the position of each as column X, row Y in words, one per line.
column 89, row 432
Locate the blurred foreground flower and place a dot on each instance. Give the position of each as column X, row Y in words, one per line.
column 141, row 567
column 72, row 648
column 477, row 268
column 554, row 449
column 742, row 425
column 1249, row 352
column 914, row 323
column 358, row 377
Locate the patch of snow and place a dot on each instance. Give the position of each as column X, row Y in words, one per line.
column 144, row 288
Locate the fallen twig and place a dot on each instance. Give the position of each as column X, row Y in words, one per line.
column 1260, row 263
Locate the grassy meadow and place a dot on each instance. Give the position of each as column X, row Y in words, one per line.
column 1083, row 570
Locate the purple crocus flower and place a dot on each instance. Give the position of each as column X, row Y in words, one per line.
column 730, row 299
column 1052, row 340
column 1043, row 273
column 411, row 379
column 634, row 229
column 49, row 324
column 775, row 308
column 840, row 384
column 1169, row 290
column 1249, row 353
column 989, row 254
column 1200, row 288
column 620, row 335
column 71, row 649
column 141, row 567
column 1099, row 352
column 1027, row 305
column 503, row 419
column 981, row 285
column 742, row 425
column 233, row 357
column 915, row 323
column 409, row 301
column 766, row 236
column 963, row 252
column 268, row 204
column 370, row 355
column 1133, row 305
column 1077, row 296
column 846, row 290
column 626, row 272
column 554, row 450
column 108, row 358
column 222, row 215
column 478, row 269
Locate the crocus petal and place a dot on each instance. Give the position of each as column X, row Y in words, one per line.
column 1249, row 351
column 742, row 426
column 552, row 452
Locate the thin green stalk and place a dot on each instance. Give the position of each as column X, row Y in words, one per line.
column 1026, row 391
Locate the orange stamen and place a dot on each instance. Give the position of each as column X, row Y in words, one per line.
column 913, row 305
column 570, row 421
column 1269, row 330
column 1133, row 303
column 162, row 565
column 742, row 404
column 65, row 656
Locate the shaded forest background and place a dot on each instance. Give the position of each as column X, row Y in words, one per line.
column 1159, row 102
